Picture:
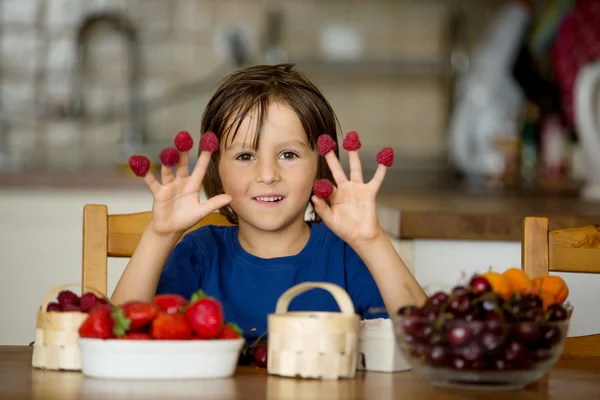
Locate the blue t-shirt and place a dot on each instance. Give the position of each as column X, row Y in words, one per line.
column 212, row 259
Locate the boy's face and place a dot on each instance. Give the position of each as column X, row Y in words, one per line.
column 270, row 186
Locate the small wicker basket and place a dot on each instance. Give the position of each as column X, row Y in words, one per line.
column 56, row 335
column 320, row 345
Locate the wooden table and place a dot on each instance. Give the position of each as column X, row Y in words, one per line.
column 18, row 380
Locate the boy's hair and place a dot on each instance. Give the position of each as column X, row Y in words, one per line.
column 253, row 89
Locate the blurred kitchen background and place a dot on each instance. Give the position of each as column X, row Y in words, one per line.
column 86, row 83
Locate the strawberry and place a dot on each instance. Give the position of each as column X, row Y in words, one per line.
column 325, row 144
column 323, row 188
column 385, row 156
column 140, row 314
column 169, row 156
column 170, row 303
column 230, row 331
column 67, row 297
column 209, row 142
column 136, row 336
column 171, row 327
column 88, row 301
column 351, row 142
column 139, row 165
column 103, row 322
column 205, row 315
column 183, row 141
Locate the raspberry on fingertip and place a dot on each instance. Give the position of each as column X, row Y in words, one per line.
column 169, row 156
column 183, row 141
column 209, row 142
column 323, row 188
column 139, row 165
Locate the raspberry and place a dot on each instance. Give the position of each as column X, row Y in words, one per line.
column 209, row 142
column 139, row 165
column 323, row 188
column 385, row 156
column 325, row 144
column 183, row 141
column 351, row 142
column 67, row 297
column 169, row 156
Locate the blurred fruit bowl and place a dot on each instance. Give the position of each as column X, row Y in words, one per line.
column 159, row 359
column 477, row 337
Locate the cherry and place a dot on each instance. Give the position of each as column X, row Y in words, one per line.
column 533, row 301
column 430, row 312
column 490, row 342
column 459, row 306
column 459, row 291
column 459, row 334
column 528, row 331
column 493, row 325
column 458, row 363
column 424, row 335
column 408, row 310
column 480, row 285
column 438, row 356
column 491, row 304
column 246, row 356
column 536, row 315
column 261, row 356
column 411, row 325
column 438, row 298
column 514, row 352
column 471, row 352
column 437, row 338
column 556, row 312
column 551, row 335
column 417, row 350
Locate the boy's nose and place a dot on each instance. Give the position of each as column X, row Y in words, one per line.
column 267, row 171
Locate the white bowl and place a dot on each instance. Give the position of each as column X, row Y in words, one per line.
column 159, row 359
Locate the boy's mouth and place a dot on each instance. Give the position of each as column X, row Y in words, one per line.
column 274, row 199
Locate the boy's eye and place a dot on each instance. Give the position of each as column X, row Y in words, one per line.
column 288, row 155
column 244, row 157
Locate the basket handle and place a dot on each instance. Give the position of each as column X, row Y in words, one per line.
column 50, row 294
column 339, row 294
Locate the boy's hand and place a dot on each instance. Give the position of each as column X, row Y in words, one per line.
column 352, row 215
column 177, row 205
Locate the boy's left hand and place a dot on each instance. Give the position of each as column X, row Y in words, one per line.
column 352, row 215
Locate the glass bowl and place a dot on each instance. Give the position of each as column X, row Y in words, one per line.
column 480, row 353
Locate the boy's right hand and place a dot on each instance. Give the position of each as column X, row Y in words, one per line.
column 177, row 206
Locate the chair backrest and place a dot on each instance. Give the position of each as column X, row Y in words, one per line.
column 116, row 235
column 563, row 250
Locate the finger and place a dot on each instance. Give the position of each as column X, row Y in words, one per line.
column 356, row 174
column 322, row 209
column 152, row 183
column 166, row 174
column 200, row 168
column 378, row 177
column 213, row 204
column 336, row 168
column 183, row 166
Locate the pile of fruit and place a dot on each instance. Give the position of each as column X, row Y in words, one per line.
column 167, row 317
column 498, row 322
column 67, row 301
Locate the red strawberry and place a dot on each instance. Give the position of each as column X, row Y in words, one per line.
column 183, row 141
column 351, row 142
column 325, row 144
column 67, row 297
column 385, row 156
column 209, row 142
column 169, row 156
column 88, row 301
column 140, row 314
column 136, row 336
column 53, row 307
column 170, row 303
column 139, row 165
column 99, row 324
column 205, row 315
column 171, row 327
column 71, row 308
column 323, row 188
column 230, row 331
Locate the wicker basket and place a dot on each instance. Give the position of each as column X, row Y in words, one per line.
column 56, row 335
column 320, row 345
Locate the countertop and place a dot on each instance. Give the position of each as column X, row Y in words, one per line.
column 408, row 209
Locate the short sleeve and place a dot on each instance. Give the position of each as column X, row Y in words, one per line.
column 182, row 271
column 362, row 287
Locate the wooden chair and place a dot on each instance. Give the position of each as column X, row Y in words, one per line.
column 564, row 250
column 116, row 235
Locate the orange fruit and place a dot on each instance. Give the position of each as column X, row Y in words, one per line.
column 547, row 298
column 517, row 278
column 499, row 283
column 555, row 285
